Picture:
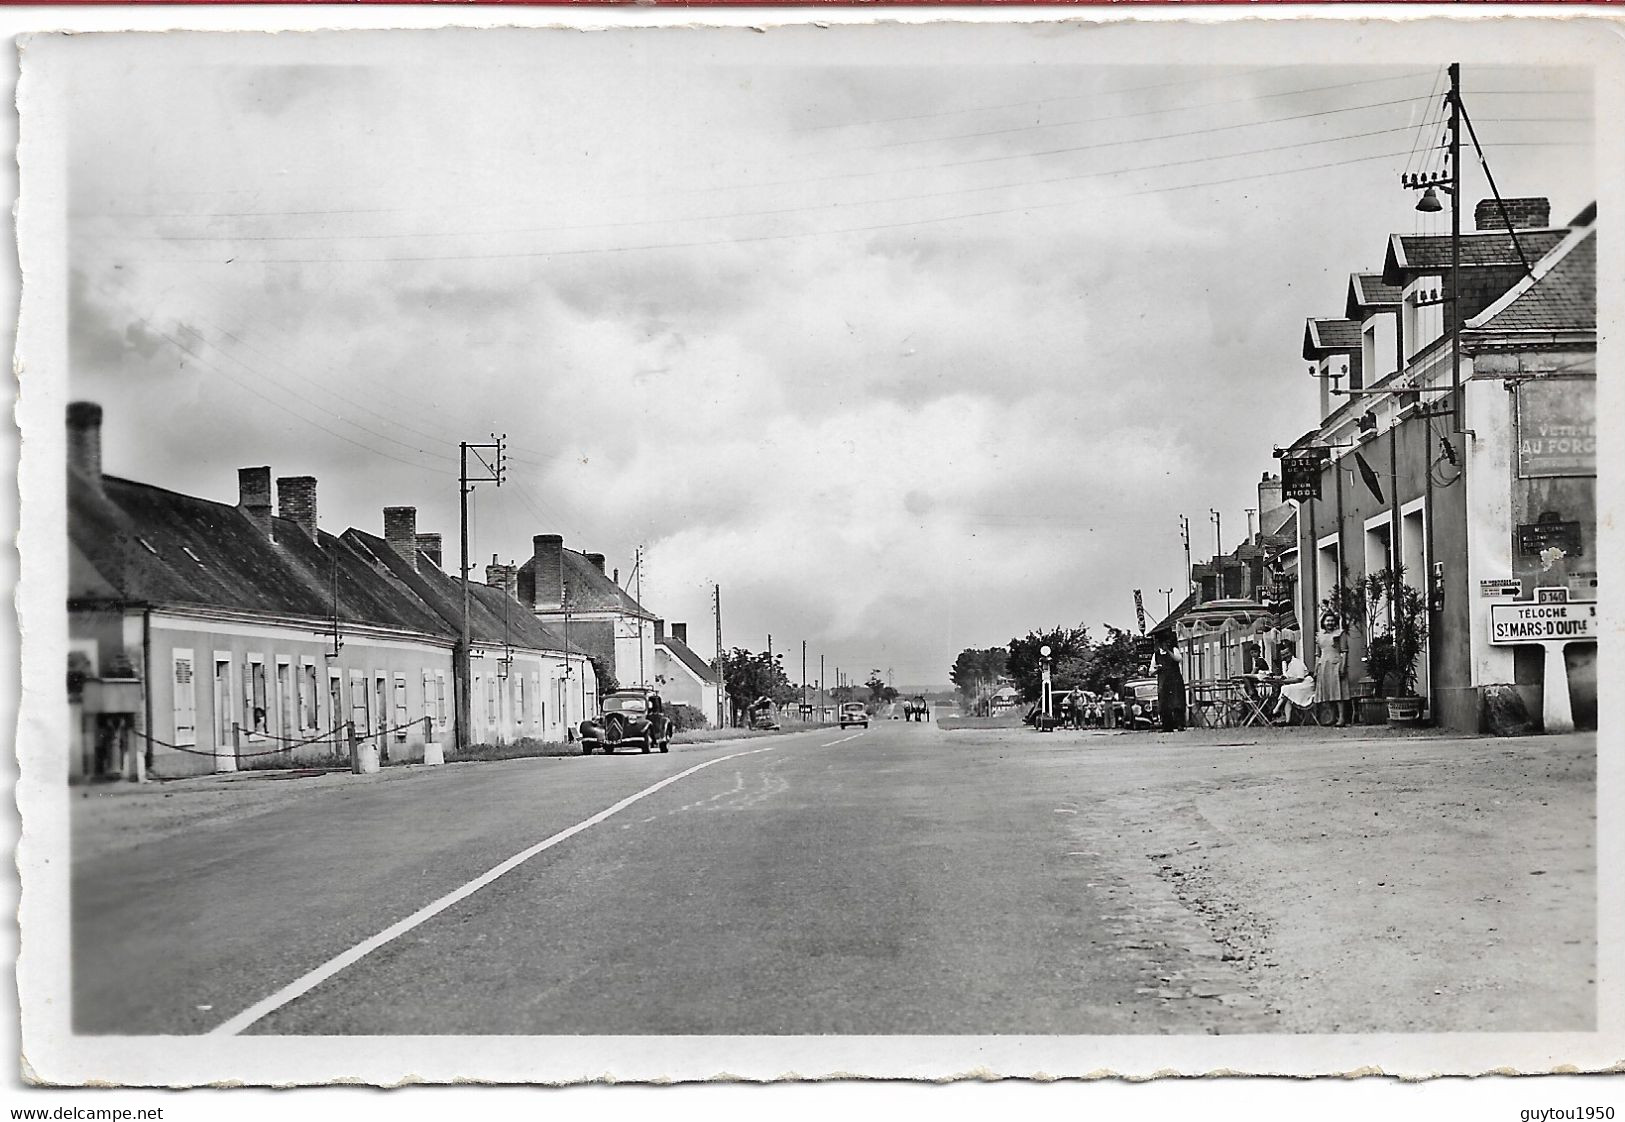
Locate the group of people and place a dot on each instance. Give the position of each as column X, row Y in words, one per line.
column 1299, row 687
column 1327, row 683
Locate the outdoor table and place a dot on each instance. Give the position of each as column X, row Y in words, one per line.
column 1247, row 704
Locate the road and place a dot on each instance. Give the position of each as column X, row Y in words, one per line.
column 903, row 879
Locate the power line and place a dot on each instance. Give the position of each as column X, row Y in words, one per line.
column 871, row 228
column 1247, row 100
column 190, row 353
column 820, row 208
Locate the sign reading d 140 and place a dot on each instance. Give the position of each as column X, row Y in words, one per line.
column 1543, row 623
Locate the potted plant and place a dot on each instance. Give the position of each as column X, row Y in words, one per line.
column 1407, row 634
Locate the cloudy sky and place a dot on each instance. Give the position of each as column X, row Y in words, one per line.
column 908, row 356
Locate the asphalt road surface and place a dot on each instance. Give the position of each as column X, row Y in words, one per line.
column 902, row 879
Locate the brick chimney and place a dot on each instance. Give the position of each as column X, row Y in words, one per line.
column 85, row 440
column 597, row 560
column 1526, row 214
column 660, row 630
column 505, row 577
column 679, row 631
column 401, row 532
column 1269, row 494
column 548, row 564
column 254, row 496
column 429, row 546
column 296, row 502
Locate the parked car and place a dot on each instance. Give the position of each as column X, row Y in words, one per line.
column 627, row 722
column 854, row 713
column 1138, row 709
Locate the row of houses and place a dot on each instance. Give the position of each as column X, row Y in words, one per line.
column 1483, row 496
column 206, row 636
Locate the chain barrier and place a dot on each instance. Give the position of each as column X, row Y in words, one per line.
column 329, row 736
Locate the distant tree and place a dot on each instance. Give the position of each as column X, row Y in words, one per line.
column 749, row 675
column 607, row 682
column 888, row 694
column 877, row 685
column 1122, row 655
column 976, row 671
column 1065, row 643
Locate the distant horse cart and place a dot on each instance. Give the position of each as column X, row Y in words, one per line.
column 916, row 709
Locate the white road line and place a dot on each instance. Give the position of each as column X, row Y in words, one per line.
column 356, row 953
column 843, row 740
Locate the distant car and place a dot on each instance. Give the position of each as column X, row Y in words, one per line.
column 626, row 722
column 854, row 713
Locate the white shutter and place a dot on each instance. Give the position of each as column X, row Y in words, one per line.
column 185, row 701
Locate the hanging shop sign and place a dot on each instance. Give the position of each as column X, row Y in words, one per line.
column 1557, row 428
column 1544, row 621
column 1545, row 534
column 1500, row 589
column 1300, row 473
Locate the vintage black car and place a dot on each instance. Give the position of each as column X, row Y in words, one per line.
column 627, row 722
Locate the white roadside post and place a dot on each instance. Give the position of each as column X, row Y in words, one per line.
column 1044, row 688
column 1553, row 621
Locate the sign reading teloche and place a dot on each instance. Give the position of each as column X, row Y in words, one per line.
column 1544, row 621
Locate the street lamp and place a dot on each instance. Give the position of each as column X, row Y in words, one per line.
column 1044, row 687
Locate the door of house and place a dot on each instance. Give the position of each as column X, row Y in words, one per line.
column 223, row 707
column 380, row 712
column 335, row 709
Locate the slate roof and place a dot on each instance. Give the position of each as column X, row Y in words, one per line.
column 134, row 543
column 1369, row 290
column 591, row 590
column 1330, row 336
column 685, row 654
column 444, row 594
column 1417, row 254
column 1561, row 296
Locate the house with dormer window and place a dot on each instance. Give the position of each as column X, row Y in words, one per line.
column 1469, row 510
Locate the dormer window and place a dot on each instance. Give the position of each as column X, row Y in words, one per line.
column 1424, row 313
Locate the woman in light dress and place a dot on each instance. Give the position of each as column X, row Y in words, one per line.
column 1331, row 658
column 1297, row 686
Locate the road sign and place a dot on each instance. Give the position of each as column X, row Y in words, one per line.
column 1500, row 589
column 1544, row 622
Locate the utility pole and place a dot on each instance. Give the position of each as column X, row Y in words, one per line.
column 1167, row 601
column 821, row 683
column 637, row 574
column 804, row 672
column 1453, row 309
column 1218, row 532
column 1185, row 535
column 492, row 470
column 722, row 680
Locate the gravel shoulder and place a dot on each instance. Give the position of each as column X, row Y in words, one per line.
column 1348, row 882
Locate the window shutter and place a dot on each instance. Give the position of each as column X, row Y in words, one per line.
column 185, row 703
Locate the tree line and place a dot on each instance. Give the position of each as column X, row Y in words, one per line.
column 1078, row 660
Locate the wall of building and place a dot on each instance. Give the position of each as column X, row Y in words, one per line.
column 1401, row 457
column 299, row 724
column 533, row 698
